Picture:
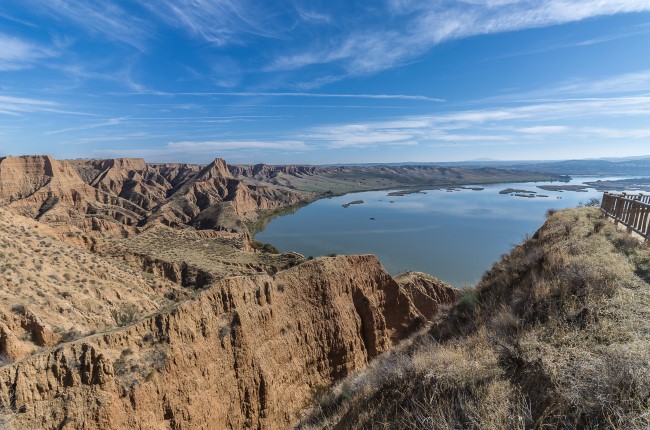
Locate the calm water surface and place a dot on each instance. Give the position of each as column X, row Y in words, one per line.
column 455, row 236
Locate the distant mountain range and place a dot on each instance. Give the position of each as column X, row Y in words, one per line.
column 620, row 167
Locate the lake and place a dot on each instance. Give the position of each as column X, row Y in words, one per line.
column 454, row 236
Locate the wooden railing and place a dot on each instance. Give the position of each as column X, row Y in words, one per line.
column 632, row 210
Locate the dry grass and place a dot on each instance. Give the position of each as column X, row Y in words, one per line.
column 556, row 335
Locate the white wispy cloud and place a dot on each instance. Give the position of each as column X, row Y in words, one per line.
column 218, row 21
column 123, row 75
column 426, row 23
column 19, row 54
column 211, row 146
column 544, row 129
column 107, row 123
column 311, row 15
column 622, row 83
column 9, row 17
column 295, row 94
column 201, row 150
column 582, row 89
column 518, row 125
column 614, row 133
column 16, row 106
column 361, row 135
column 98, row 16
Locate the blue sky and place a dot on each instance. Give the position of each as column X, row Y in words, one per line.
column 291, row 81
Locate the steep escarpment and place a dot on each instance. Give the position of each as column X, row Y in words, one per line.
column 556, row 335
column 247, row 352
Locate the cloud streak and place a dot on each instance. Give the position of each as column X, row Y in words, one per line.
column 98, row 16
column 296, row 94
column 107, row 123
column 427, row 23
column 490, row 126
column 200, row 150
column 220, row 22
column 19, row 54
column 15, row 106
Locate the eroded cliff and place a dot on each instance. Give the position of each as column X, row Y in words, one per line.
column 248, row 352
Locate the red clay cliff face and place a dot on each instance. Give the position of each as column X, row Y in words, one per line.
column 245, row 353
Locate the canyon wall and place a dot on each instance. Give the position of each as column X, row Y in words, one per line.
column 248, row 352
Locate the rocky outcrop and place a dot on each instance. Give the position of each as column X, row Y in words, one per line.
column 248, row 352
column 266, row 171
column 36, row 178
column 427, row 292
column 214, row 199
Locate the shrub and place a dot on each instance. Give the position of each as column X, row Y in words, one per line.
column 70, row 336
column 120, row 366
column 468, row 301
column 599, row 225
column 264, row 247
column 626, row 243
column 19, row 309
column 4, row 360
column 125, row 315
column 224, row 332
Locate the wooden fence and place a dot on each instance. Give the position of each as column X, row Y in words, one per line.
column 632, row 210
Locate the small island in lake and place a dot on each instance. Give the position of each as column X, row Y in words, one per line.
column 516, row 191
column 405, row 192
column 560, row 188
column 355, row 202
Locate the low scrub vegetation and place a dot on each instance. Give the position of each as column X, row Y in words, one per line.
column 556, row 335
column 264, row 247
column 125, row 315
